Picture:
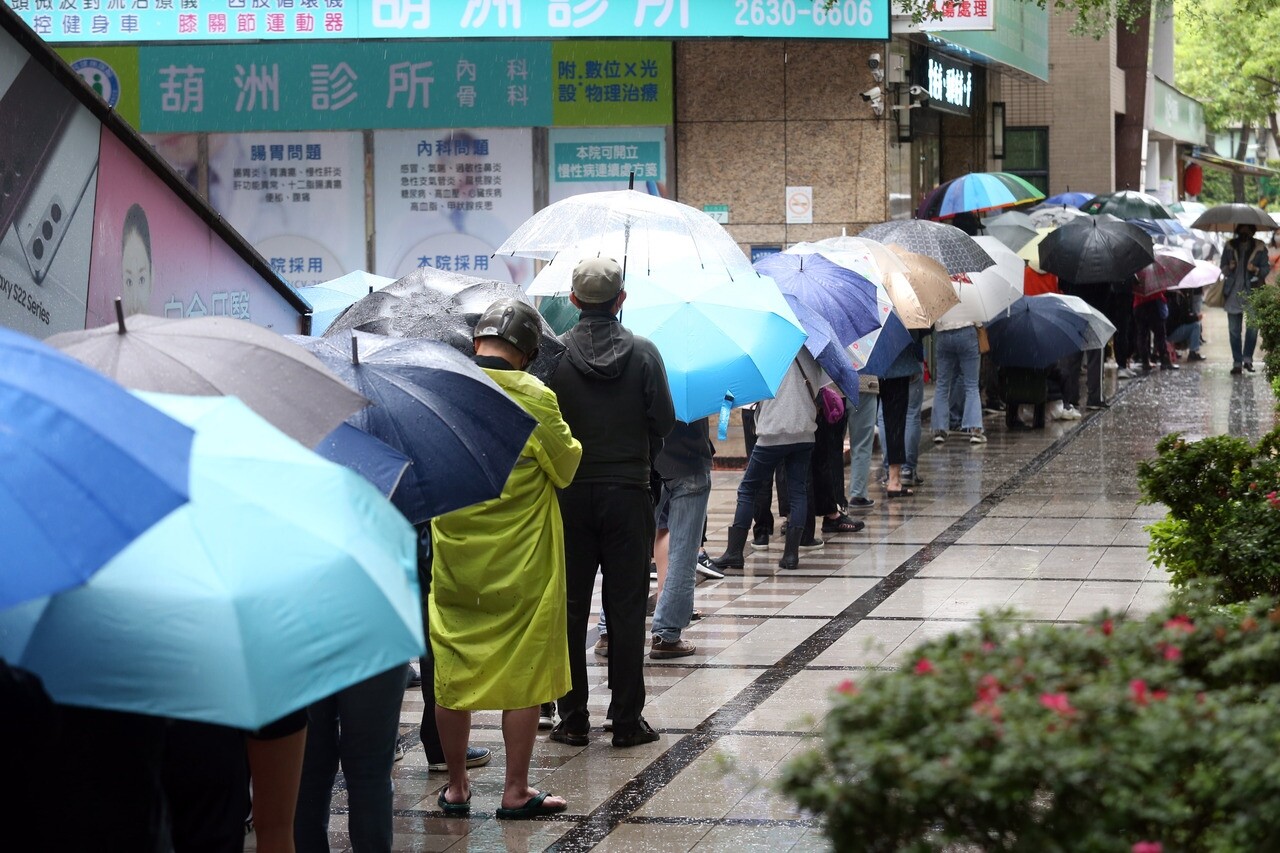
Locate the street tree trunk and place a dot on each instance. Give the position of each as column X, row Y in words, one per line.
column 1237, row 179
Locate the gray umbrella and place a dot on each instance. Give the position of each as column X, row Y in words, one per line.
column 440, row 306
column 1225, row 217
column 947, row 244
column 219, row 356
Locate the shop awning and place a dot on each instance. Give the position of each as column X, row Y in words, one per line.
column 1215, row 161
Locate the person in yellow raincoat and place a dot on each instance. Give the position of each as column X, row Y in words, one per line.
column 497, row 608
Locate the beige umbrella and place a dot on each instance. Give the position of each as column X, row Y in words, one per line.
column 928, row 293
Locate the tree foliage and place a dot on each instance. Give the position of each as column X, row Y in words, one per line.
column 1228, row 59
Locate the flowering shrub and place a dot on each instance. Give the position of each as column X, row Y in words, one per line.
column 1120, row 735
column 1264, row 315
column 1223, row 495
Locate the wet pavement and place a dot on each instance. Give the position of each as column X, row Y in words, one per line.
column 1047, row 522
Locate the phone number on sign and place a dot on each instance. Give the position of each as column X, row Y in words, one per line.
column 844, row 13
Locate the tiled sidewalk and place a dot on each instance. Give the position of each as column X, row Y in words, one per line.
column 1045, row 522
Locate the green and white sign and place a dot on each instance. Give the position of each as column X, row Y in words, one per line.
column 589, row 159
column 718, row 212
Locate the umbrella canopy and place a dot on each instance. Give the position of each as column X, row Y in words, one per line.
column 379, row 463
column 462, row 432
column 1099, row 330
column 1035, row 332
column 1225, row 217
column 625, row 224
column 85, row 467
column 977, row 192
column 1048, row 216
column 330, row 298
column 1070, row 199
column 285, row 579
column 1090, row 251
column 1030, row 252
column 1012, row 228
column 1160, row 229
column 1127, row 204
column 863, row 264
column 946, row 243
column 1204, row 274
column 1169, row 267
column 220, row 356
column 986, row 293
column 716, row 336
column 646, row 257
column 931, row 294
column 845, row 299
column 561, row 314
column 440, row 306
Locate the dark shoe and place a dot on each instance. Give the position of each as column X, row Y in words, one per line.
column 1195, row 356
column 1170, row 366
column 535, row 807
column 547, row 716
column 706, row 567
column 642, row 733
column 1248, row 366
column 791, row 550
column 1097, row 407
column 477, row 756
column 453, row 809
column 841, row 524
column 601, row 648
column 1235, row 371
column 760, row 541
column 414, row 680
column 696, row 615
column 861, row 504
column 812, row 544
column 904, row 492
column 732, row 557
column 561, row 734
column 661, row 649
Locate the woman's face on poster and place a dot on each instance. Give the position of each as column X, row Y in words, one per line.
column 136, row 264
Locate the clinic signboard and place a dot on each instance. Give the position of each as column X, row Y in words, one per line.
column 134, row 21
column 948, row 81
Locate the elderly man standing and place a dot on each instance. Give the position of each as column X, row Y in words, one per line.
column 497, row 602
column 614, row 395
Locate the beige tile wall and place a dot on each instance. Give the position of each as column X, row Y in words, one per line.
column 753, row 117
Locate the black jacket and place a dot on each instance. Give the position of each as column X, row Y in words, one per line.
column 613, row 393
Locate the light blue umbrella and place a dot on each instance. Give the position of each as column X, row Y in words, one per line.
column 330, row 298
column 717, row 335
column 285, row 579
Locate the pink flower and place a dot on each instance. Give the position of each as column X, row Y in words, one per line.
column 1181, row 622
column 1148, row 847
column 1273, row 499
column 988, row 646
column 1108, row 627
column 1138, row 690
column 1171, row 652
column 924, row 667
column 847, row 687
column 1057, row 702
column 988, row 688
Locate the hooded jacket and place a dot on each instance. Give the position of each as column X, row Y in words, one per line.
column 791, row 416
column 613, row 392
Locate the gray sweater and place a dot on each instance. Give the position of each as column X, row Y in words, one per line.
column 791, row 417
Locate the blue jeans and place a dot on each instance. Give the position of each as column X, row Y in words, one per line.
column 686, row 514
column 911, row 438
column 358, row 727
column 764, row 459
column 862, row 434
column 1188, row 334
column 956, row 352
column 1241, row 354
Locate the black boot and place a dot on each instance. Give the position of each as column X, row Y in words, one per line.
column 732, row 556
column 791, row 551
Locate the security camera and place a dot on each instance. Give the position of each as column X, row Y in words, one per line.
column 918, row 90
column 877, row 70
column 877, row 107
column 871, row 94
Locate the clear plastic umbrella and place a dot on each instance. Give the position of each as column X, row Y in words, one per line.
column 647, row 253
column 984, row 294
column 1055, row 215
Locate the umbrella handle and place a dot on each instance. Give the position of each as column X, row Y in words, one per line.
column 120, row 314
column 355, row 350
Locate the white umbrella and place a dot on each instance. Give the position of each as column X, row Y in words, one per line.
column 1055, row 215
column 985, row 294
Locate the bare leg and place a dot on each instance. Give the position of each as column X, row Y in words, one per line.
column 660, row 557
column 519, row 730
column 895, row 478
column 276, row 768
column 455, row 732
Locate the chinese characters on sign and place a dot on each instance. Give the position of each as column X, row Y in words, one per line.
column 269, row 20
column 590, row 159
column 949, row 16
column 595, row 79
column 950, row 83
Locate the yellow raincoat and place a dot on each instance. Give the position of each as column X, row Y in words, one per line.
column 497, row 604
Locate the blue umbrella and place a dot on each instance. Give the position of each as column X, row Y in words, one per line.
column 1161, row 229
column 461, row 431
column 1070, row 199
column 330, row 298
column 379, row 463
column 892, row 340
column 824, row 347
column 1036, row 331
column 716, row 334
column 842, row 297
column 85, row 467
column 285, row 579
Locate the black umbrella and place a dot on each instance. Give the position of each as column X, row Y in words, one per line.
column 955, row 249
column 1225, row 217
column 439, row 306
column 462, row 432
column 1092, row 251
column 1127, row 204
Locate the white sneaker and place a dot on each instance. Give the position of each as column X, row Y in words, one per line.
column 1071, row 413
column 1126, row 373
column 705, row 567
column 1056, row 410
column 977, row 436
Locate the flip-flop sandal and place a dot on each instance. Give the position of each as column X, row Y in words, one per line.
column 904, row 492
column 534, row 808
column 841, row 524
column 454, row 809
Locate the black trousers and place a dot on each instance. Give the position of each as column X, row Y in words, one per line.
column 762, row 515
column 609, row 526
column 427, row 730
column 1150, row 330
column 893, row 401
column 1119, row 310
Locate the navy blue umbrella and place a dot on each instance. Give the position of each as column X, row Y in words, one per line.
column 376, row 461
column 85, row 468
column 461, row 431
column 1035, row 332
column 824, row 348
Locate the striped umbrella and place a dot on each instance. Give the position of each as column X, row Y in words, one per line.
column 977, row 192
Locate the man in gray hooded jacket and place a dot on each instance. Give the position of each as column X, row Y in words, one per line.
column 613, row 393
